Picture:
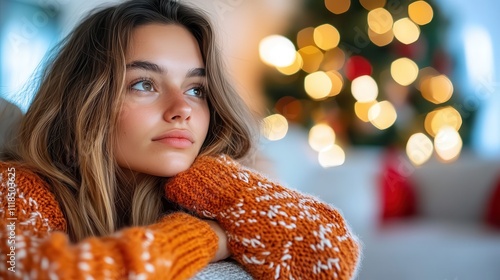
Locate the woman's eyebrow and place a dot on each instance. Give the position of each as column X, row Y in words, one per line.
column 149, row 66
column 146, row 65
column 196, row 72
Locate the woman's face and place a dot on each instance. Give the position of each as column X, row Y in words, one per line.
column 165, row 117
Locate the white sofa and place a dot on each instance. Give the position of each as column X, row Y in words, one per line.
column 447, row 240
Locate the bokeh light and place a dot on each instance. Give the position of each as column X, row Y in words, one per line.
column 305, row 37
column 364, row 89
column 337, row 82
column 406, row 31
column 420, row 12
column 442, row 117
column 362, row 108
column 357, row 66
column 404, row 71
column 326, row 37
column 292, row 68
column 419, row 148
column 318, row 85
column 290, row 107
column 334, row 59
column 380, row 20
column 382, row 115
column 338, row 6
column 436, row 89
column 372, row 4
column 277, row 50
column 381, row 39
column 311, row 57
column 274, row 127
column 448, row 144
column 321, row 137
column 330, row 157
column 423, row 74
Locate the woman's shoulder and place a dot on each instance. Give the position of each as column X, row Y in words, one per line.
column 23, row 191
column 19, row 174
column 18, row 177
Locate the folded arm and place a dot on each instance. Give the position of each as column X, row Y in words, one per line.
column 274, row 232
column 34, row 245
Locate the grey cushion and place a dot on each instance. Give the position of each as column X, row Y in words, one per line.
column 223, row 270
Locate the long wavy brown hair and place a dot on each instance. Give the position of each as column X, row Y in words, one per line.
column 68, row 133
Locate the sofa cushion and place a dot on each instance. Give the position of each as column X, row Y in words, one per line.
column 459, row 191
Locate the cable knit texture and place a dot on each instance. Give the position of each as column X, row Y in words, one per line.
column 34, row 244
column 273, row 232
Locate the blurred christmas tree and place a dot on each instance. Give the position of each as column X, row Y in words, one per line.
column 375, row 71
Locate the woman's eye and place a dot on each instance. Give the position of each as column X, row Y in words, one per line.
column 196, row 91
column 143, row 86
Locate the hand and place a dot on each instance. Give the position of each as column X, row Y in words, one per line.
column 222, row 249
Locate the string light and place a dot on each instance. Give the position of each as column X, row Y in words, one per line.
column 274, row 127
column 404, row 71
column 372, row 4
column 437, row 89
column 321, row 137
column 357, row 66
column 406, row 31
column 382, row 115
column 423, row 74
column 311, row 57
column 277, row 50
column 380, row 20
column 420, row 12
column 326, row 37
column 330, row 157
column 419, row 148
column 381, row 39
column 318, row 85
column 337, row 82
column 442, row 117
column 290, row 107
column 361, row 109
column 305, row 37
column 338, row 6
column 333, row 59
column 292, row 68
column 364, row 89
column 448, row 144
column 323, row 61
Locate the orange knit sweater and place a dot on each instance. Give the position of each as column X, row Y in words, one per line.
column 34, row 246
column 274, row 233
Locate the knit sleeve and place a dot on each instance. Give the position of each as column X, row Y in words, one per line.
column 34, row 244
column 273, row 232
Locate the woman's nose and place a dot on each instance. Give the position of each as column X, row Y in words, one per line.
column 177, row 108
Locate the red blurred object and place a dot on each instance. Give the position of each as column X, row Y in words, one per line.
column 397, row 191
column 415, row 51
column 357, row 66
column 493, row 210
column 441, row 61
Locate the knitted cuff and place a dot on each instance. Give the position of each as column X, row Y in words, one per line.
column 187, row 233
column 191, row 241
column 209, row 185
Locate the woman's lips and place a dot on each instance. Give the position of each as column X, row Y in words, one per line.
column 177, row 139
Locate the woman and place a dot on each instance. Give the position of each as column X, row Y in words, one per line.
column 124, row 165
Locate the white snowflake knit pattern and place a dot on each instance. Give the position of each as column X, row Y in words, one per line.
column 280, row 232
